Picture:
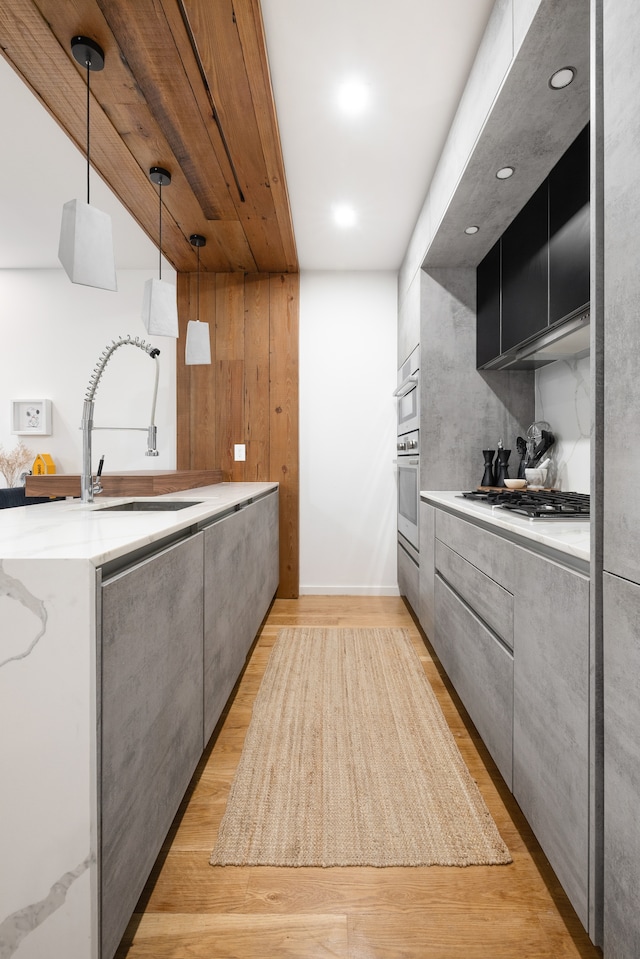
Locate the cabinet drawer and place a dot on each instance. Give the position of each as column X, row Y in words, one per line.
column 408, row 578
column 484, row 550
column 481, row 669
column 492, row 603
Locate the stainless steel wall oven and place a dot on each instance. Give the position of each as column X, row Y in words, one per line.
column 407, row 394
column 408, row 454
column 408, row 461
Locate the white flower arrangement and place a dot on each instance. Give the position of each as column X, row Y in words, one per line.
column 13, row 462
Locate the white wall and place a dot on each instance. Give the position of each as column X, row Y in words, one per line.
column 348, row 333
column 52, row 334
column 562, row 399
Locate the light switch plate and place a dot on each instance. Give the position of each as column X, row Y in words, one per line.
column 239, row 452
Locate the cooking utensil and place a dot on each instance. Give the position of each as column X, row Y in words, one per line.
column 521, row 446
column 548, row 439
column 539, row 439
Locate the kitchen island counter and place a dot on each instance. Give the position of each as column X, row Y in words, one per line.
column 69, row 529
column 55, row 559
column 568, row 537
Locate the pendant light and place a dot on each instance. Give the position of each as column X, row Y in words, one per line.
column 198, row 346
column 159, row 305
column 86, row 243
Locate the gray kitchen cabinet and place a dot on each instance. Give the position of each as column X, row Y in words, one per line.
column 175, row 631
column 511, row 628
column 551, row 779
column 618, row 454
column 240, row 580
column 409, row 320
column 473, row 634
column 426, row 601
column 621, row 767
column 481, row 669
column 492, row 603
column 408, row 578
column 150, row 673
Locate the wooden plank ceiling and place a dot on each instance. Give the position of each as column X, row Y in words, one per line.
column 186, row 86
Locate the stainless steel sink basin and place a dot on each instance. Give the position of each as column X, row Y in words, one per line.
column 149, row 506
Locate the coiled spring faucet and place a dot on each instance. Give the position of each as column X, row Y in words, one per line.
column 87, row 485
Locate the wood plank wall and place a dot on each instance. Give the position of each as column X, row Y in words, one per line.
column 249, row 394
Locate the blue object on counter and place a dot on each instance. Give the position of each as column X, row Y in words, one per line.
column 16, row 496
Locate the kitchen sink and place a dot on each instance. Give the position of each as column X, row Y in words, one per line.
column 149, row 506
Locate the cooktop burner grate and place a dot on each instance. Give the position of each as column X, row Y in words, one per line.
column 538, row 504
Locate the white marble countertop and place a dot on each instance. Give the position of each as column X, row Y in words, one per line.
column 69, row 529
column 570, row 536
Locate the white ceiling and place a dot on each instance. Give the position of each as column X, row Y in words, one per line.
column 413, row 56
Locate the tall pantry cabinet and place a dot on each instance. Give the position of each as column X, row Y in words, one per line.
column 621, row 457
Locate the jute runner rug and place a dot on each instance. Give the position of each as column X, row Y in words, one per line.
column 348, row 761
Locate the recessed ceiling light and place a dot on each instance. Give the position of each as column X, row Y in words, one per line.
column 505, row 172
column 471, row 230
column 344, row 215
column 353, row 96
column 562, row 78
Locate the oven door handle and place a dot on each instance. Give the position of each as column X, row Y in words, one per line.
column 406, row 386
column 405, row 461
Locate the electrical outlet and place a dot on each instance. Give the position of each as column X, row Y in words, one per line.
column 239, row 453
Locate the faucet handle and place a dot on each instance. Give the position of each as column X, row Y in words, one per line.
column 97, row 486
column 152, row 434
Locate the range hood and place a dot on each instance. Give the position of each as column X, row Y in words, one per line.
column 568, row 340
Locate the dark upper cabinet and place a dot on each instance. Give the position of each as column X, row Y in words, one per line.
column 525, row 273
column 569, row 230
column 488, row 307
column 537, row 274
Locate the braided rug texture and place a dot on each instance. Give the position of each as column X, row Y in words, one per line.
column 348, row 761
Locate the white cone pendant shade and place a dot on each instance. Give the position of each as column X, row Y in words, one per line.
column 86, row 246
column 86, row 242
column 160, row 308
column 159, row 303
column 198, row 348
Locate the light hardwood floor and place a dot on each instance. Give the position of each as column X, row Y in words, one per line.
column 191, row 910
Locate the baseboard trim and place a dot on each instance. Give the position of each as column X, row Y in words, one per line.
column 349, row 591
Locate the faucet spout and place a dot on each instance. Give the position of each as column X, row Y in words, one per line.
column 87, row 485
column 86, row 480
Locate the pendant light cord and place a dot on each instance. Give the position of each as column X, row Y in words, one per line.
column 198, row 289
column 88, row 128
column 160, row 236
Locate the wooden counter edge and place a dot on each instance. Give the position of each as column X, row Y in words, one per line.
column 135, row 483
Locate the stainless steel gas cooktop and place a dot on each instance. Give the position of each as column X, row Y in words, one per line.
column 536, row 504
